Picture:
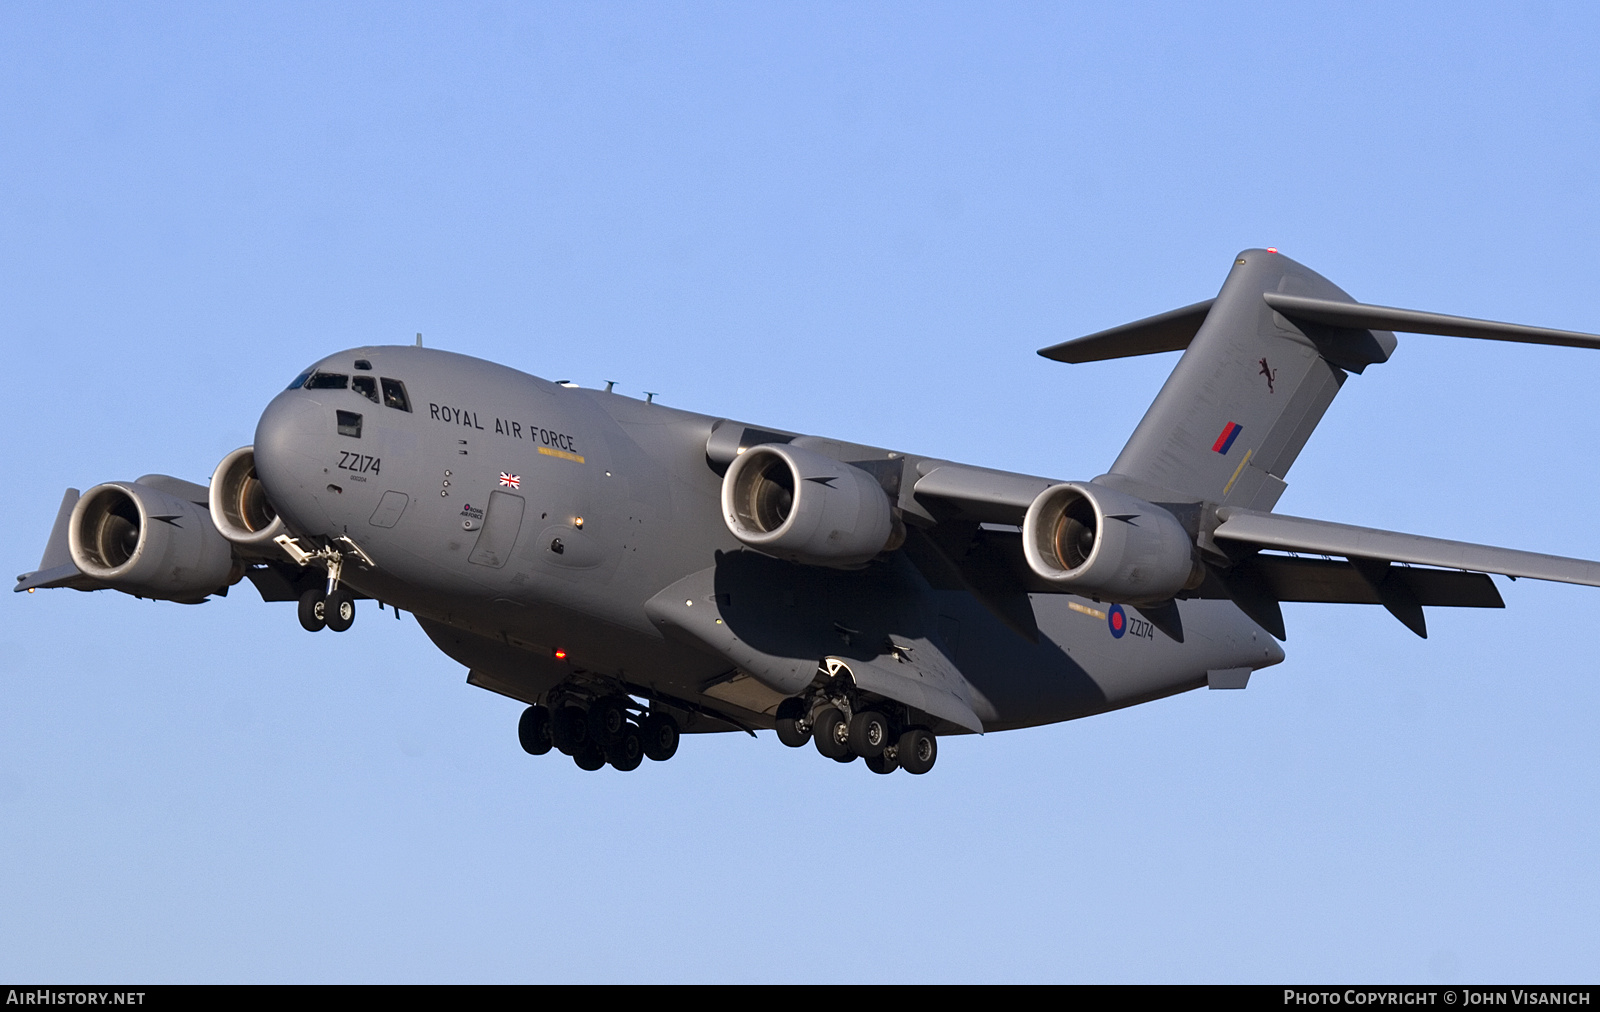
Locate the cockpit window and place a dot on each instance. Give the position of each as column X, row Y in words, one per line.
column 366, row 386
column 327, row 381
column 300, row 379
column 394, row 394
column 349, row 423
column 363, row 365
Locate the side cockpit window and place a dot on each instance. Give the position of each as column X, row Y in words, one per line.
column 327, row 381
column 394, row 394
column 300, row 380
column 366, row 386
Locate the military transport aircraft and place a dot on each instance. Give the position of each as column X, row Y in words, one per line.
column 631, row 571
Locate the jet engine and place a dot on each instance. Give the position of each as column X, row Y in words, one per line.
column 239, row 505
column 1091, row 540
column 142, row 541
column 796, row 504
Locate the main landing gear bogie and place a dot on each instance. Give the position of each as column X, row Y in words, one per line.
column 604, row 733
column 865, row 733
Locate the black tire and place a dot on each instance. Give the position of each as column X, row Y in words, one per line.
column 791, row 732
column 590, row 757
column 311, row 617
column 608, row 719
column 794, row 730
column 627, row 752
column 917, row 751
column 794, row 708
column 569, row 730
column 869, row 734
column 660, row 735
column 882, row 764
column 533, row 730
column 340, row 610
column 831, row 733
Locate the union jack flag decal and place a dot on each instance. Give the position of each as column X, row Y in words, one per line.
column 510, row 480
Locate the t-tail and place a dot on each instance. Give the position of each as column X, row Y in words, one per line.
column 1262, row 363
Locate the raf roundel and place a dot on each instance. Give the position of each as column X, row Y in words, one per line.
column 1117, row 621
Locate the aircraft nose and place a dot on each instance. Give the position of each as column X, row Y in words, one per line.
column 289, row 453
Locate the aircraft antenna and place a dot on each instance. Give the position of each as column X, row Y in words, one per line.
column 419, row 340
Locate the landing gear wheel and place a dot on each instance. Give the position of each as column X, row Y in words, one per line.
column 882, row 764
column 312, row 618
column 627, row 752
column 790, row 725
column 659, row 732
column 869, row 734
column 831, row 733
column 590, row 757
column 340, row 610
column 569, row 730
column 608, row 719
column 533, row 730
column 917, row 750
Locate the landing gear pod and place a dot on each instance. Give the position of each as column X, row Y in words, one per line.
column 239, row 505
column 144, row 542
column 1100, row 543
column 796, row 504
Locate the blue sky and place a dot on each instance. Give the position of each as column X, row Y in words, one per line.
column 851, row 219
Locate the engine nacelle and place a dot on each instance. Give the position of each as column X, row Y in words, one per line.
column 239, row 505
column 1091, row 540
column 142, row 541
column 796, row 504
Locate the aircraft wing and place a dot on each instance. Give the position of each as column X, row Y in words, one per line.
column 1298, row 534
column 981, row 494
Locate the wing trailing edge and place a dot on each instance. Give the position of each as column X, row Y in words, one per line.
column 1298, row 534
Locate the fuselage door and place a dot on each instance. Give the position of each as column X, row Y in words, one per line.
column 502, row 522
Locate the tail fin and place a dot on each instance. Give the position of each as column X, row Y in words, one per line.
column 1247, row 393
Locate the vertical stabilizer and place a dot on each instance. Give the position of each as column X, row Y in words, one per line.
column 1247, row 393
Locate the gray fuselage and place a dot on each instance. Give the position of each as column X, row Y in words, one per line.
column 527, row 524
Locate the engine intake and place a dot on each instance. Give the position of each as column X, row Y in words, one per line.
column 1104, row 544
column 799, row 505
column 142, row 541
column 239, row 504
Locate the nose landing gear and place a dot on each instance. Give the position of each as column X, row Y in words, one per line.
column 332, row 606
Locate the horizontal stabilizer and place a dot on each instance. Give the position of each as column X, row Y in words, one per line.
column 1357, row 316
column 1170, row 331
column 1297, row 534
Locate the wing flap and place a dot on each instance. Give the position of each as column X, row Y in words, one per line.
column 1329, row 581
column 1299, row 534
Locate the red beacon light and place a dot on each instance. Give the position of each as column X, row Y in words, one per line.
column 561, row 655
column 1272, row 249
